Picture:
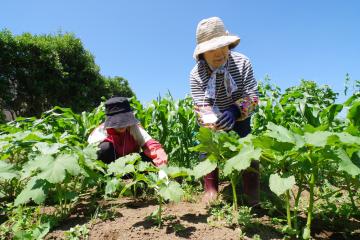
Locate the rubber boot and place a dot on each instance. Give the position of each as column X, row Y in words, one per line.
column 211, row 186
column 251, row 184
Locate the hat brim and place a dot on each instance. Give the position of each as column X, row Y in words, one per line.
column 216, row 43
column 121, row 120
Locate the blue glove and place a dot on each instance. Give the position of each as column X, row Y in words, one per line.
column 227, row 120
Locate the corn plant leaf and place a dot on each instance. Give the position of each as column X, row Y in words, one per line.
column 57, row 168
column 242, row 160
column 346, row 164
column 36, row 190
column 7, row 171
column 203, row 168
column 172, row 191
column 279, row 185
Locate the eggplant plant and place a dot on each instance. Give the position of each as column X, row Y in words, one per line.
column 160, row 180
column 226, row 152
column 306, row 160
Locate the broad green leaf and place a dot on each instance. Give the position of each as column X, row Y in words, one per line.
column 331, row 112
column 204, row 136
column 48, row 149
column 3, row 144
column 22, row 235
column 317, row 139
column 56, row 170
column 352, row 99
column 111, row 186
column 242, row 160
column 282, row 134
column 354, row 113
column 30, row 136
column 40, row 231
column 348, row 138
column 120, row 167
column 7, row 171
column 174, row 172
column 172, row 192
column 346, row 164
column 40, row 162
column 130, row 158
column 203, row 168
column 311, row 115
column 230, row 146
column 35, row 189
column 90, row 152
column 279, row 185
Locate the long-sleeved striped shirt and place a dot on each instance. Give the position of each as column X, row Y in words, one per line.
column 245, row 97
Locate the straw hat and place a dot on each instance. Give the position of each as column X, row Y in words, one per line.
column 119, row 113
column 211, row 34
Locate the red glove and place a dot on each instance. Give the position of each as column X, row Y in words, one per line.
column 154, row 150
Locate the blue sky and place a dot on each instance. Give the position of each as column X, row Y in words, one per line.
column 150, row 43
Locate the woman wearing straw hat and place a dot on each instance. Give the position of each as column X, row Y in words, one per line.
column 121, row 134
column 224, row 93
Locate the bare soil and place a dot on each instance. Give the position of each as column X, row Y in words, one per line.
column 128, row 218
column 184, row 220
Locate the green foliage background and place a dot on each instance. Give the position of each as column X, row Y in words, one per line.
column 39, row 72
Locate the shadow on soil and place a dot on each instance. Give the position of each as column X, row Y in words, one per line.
column 193, row 218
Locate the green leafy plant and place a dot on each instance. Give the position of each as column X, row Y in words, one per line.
column 159, row 180
column 225, row 151
column 79, row 232
column 173, row 123
column 305, row 160
column 221, row 212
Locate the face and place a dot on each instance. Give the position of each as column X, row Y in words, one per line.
column 216, row 58
column 120, row 130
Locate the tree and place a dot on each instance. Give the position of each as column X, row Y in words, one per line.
column 39, row 72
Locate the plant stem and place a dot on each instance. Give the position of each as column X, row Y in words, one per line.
column 296, row 206
column 159, row 211
column 351, row 195
column 311, row 202
column 233, row 186
column 288, row 214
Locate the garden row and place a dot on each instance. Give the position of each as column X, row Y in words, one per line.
column 304, row 140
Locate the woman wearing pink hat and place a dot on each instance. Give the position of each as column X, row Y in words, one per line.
column 224, row 93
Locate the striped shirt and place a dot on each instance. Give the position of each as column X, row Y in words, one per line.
column 241, row 71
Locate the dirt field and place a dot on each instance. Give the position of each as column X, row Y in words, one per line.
column 182, row 221
column 126, row 218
